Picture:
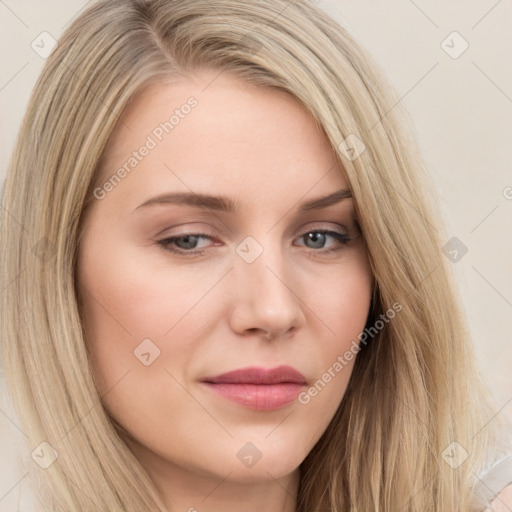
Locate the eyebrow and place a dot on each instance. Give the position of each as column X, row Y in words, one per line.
column 225, row 204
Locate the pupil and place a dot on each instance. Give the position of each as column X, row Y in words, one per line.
column 317, row 237
column 192, row 240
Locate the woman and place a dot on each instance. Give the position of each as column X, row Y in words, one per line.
column 228, row 292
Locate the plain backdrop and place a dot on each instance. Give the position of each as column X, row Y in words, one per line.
column 461, row 106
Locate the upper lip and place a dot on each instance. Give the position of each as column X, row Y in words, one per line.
column 259, row 375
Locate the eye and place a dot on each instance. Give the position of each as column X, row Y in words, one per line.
column 187, row 244
column 317, row 239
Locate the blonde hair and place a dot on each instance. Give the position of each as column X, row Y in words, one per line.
column 414, row 389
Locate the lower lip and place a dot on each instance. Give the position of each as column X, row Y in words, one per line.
column 261, row 397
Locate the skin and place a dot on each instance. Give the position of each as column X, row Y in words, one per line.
column 212, row 313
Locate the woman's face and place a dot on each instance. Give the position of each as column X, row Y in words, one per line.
column 207, row 255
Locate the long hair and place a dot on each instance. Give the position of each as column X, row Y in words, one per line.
column 414, row 390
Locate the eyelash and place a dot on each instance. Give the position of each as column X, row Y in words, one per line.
column 342, row 238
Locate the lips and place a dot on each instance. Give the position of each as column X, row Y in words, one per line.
column 255, row 375
column 258, row 388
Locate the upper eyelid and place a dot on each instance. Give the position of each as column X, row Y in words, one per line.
column 329, row 232
column 346, row 216
column 299, row 232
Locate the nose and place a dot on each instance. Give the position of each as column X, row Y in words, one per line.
column 265, row 299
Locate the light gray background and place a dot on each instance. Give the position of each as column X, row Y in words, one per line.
column 462, row 110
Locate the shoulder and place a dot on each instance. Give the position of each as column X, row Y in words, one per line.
column 502, row 502
column 495, row 484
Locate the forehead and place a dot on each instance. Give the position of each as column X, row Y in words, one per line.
column 209, row 129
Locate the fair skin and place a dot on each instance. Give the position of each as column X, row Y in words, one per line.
column 211, row 313
column 502, row 502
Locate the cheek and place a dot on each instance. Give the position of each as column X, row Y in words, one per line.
column 342, row 299
column 341, row 306
column 128, row 297
column 122, row 291
column 120, row 304
column 126, row 315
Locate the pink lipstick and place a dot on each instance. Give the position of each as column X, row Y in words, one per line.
column 259, row 388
